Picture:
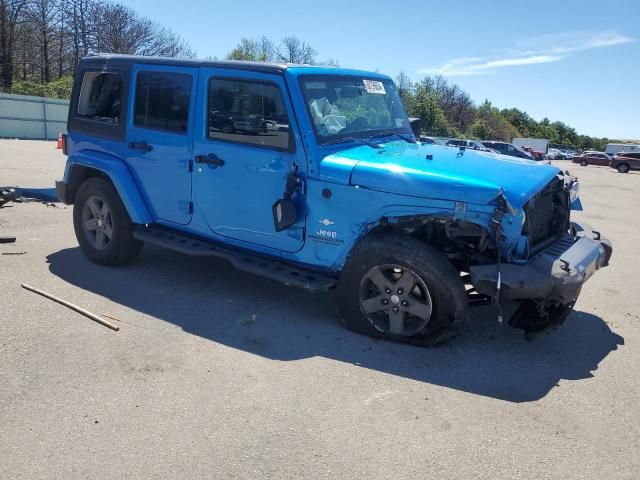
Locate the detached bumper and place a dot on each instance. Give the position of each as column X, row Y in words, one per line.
column 61, row 192
column 557, row 273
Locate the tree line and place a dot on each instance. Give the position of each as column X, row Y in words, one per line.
column 447, row 110
column 41, row 42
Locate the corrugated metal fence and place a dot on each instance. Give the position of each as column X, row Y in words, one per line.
column 23, row 116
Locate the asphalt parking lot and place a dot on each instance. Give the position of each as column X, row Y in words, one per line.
column 216, row 373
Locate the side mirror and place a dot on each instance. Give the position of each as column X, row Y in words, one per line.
column 284, row 214
column 416, row 127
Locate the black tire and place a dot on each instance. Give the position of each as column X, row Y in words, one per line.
column 584, row 163
column 445, row 290
column 623, row 168
column 120, row 247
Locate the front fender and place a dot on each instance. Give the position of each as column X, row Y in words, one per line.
column 119, row 174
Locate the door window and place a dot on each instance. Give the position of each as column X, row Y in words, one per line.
column 247, row 112
column 162, row 101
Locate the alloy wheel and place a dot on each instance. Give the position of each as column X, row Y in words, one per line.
column 395, row 300
column 97, row 222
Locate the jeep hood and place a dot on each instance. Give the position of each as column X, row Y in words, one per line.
column 438, row 172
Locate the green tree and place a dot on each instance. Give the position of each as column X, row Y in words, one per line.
column 427, row 108
column 405, row 90
column 481, row 130
column 60, row 88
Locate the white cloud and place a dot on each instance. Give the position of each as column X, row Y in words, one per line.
column 569, row 42
column 533, row 51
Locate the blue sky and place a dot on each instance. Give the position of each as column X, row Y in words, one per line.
column 574, row 61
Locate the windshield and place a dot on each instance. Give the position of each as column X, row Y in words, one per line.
column 343, row 107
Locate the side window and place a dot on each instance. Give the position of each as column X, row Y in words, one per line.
column 100, row 97
column 247, row 112
column 510, row 148
column 162, row 101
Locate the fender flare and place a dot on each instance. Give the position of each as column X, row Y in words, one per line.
column 119, row 174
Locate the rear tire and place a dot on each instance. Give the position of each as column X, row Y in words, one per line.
column 102, row 225
column 623, row 168
column 373, row 286
column 584, row 163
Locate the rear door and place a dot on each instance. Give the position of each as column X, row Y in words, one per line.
column 245, row 145
column 159, row 138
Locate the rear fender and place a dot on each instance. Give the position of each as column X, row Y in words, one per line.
column 88, row 163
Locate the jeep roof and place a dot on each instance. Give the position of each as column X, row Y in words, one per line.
column 264, row 67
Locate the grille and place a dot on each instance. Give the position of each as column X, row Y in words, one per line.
column 547, row 214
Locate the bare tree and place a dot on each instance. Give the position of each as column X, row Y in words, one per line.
column 294, row 50
column 330, row 62
column 10, row 18
column 42, row 14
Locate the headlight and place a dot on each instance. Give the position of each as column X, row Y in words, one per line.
column 574, row 191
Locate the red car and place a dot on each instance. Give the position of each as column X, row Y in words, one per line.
column 536, row 154
column 592, row 158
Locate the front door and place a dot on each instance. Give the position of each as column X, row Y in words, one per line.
column 244, row 150
column 159, row 138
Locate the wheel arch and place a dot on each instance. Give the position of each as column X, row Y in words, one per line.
column 83, row 167
column 435, row 230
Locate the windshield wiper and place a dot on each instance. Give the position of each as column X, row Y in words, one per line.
column 392, row 134
column 354, row 139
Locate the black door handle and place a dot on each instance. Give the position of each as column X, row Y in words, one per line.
column 143, row 146
column 211, row 159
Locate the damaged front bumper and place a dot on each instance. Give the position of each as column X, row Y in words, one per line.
column 556, row 273
column 552, row 279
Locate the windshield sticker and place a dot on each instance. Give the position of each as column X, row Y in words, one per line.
column 399, row 123
column 315, row 85
column 374, row 86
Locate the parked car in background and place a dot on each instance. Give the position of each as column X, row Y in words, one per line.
column 472, row 144
column 625, row 161
column 536, row 154
column 590, row 157
column 532, row 145
column 428, row 140
column 507, row 149
column 556, row 154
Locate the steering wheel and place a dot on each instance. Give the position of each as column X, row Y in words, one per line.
column 360, row 123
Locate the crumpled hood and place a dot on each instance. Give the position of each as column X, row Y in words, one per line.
column 470, row 176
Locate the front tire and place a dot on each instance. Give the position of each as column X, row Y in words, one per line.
column 400, row 288
column 102, row 225
column 623, row 168
column 584, row 163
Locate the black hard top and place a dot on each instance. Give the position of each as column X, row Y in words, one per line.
column 115, row 59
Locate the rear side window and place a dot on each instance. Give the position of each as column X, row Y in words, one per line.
column 100, row 97
column 247, row 112
column 162, row 101
column 631, row 155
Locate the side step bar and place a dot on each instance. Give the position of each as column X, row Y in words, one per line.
column 276, row 270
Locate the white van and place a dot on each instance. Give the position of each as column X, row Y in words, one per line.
column 613, row 148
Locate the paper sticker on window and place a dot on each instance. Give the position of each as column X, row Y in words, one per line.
column 315, row 85
column 374, row 86
column 399, row 123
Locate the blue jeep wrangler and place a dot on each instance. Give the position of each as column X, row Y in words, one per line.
column 312, row 176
